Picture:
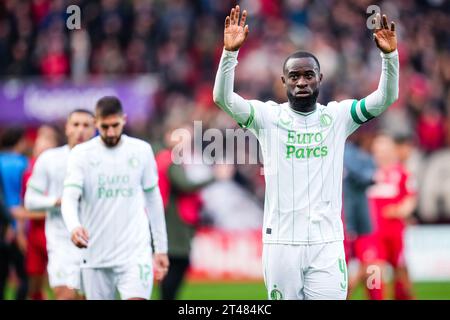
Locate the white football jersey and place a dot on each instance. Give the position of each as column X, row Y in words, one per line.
column 303, row 165
column 303, row 153
column 112, row 181
column 48, row 178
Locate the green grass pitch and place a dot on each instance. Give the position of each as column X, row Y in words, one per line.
column 256, row 291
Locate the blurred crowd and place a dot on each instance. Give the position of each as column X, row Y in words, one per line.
column 180, row 41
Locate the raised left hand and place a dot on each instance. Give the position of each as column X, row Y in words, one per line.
column 385, row 37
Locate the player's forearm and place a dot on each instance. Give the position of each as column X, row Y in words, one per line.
column 387, row 92
column 407, row 206
column 69, row 207
column 20, row 226
column 36, row 215
column 19, row 213
column 180, row 181
column 155, row 214
column 223, row 94
column 36, row 201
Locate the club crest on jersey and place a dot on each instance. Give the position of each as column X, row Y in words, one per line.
column 325, row 120
column 133, row 162
column 276, row 294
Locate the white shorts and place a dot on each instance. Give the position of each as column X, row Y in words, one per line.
column 133, row 280
column 64, row 261
column 305, row 272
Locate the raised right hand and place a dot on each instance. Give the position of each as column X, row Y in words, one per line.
column 235, row 32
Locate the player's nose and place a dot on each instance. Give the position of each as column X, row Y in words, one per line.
column 302, row 83
column 110, row 132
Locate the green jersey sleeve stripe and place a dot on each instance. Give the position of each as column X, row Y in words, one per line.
column 73, row 186
column 354, row 114
column 150, row 189
column 364, row 110
column 35, row 189
column 250, row 118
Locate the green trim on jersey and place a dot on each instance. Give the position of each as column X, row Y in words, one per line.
column 73, row 185
column 150, row 189
column 354, row 114
column 364, row 110
column 343, row 269
column 250, row 118
column 35, row 189
column 362, row 107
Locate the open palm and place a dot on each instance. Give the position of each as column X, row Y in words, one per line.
column 384, row 37
column 235, row 31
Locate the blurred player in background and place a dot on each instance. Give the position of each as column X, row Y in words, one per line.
column 392, row 200
column 44, row 192
column 180, row 186
column 110, row 198
column 5, row 221
column 36, row 253
column 13, row 164
column 303, row 143
column 408, row 155
column 359, row 171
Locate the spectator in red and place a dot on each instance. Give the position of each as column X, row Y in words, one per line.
column 391, row 199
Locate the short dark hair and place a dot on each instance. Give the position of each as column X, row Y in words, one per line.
column 59, row 136
column 81, row 110
column 301, row 54
column 108, row 106
column 11, row 136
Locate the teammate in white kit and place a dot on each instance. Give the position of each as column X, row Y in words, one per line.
column 303, row 145
column 44, row 192
column 111, row 200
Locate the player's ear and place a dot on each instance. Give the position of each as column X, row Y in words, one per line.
column 125, row 118
column 320, row 77
column 283, row 80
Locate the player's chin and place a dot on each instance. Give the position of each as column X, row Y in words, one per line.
column 111, row 142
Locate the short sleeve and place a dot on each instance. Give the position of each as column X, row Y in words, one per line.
column 150, row 173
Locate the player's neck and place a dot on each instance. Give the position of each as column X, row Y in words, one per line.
column 303, row 109
column 111, row 147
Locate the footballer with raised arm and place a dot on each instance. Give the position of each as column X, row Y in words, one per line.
column 302, row 142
